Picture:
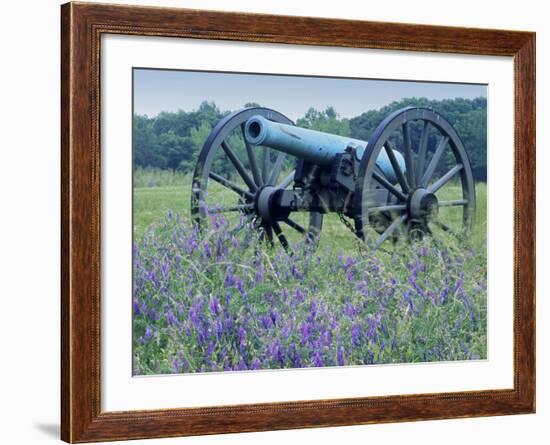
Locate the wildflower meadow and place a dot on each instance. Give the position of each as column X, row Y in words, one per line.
column 217, row 300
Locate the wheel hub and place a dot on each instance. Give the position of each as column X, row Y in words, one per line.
column 262, row 202
column 422, row 205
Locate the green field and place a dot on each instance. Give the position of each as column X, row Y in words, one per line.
column 212, row 302
column 156, row 192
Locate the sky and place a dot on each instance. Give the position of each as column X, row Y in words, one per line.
column 172, row 90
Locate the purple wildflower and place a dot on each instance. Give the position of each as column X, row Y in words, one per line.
column 242, row 340
column 305, row 331
column 356, row 334
column 214, row 306
column 318, row 359
column 240, row 286
column 275, row 317
column 171, row 319
column 135, row 305
column 229, row 278
column 266, row 322
column 148, row 332
column 256, row 364
column 340, row 353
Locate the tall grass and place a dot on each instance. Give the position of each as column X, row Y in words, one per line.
column 156, row 177
column 225, row 302
column 158, row 191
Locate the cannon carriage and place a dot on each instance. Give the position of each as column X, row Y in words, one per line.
column 383, row 188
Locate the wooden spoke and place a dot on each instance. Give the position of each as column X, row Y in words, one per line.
column 422, row 149
column 409, row 162
column 235, row 208
column 266, row 163
column 388, row 208
column 280, row 234
column 442, row 225
column 230, row 185
column 388, row 185
column 457, row 202
column 395, row 165
column 252, row 160
column 277, row 167
column 286, row 182
column 239, row 166
column 445, row 178
column 268, row 233
column 390, row 230
column 294, row 225
column 434, row 161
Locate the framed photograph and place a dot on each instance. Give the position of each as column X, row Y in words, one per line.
column 274, row 222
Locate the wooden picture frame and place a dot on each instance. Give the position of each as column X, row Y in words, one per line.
column 82, row 25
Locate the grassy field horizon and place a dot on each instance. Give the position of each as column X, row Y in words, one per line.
column 158, row 191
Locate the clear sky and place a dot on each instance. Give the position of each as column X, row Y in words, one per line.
column 171, row 90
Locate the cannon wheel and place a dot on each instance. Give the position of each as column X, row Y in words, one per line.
column 416, row 199
column 258, row 170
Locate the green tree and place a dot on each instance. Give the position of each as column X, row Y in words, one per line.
column 145, row 144
column 174, row 148
column 174, row 139
column 327, row 121
column 196, row 139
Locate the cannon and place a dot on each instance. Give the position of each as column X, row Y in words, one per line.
column 401, row 181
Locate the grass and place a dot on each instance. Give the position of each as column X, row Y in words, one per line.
column 158, row 191
column 217, row 302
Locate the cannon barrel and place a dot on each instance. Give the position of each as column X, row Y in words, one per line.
column 313, row 146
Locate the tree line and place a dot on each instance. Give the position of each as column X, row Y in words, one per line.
column 172, row 140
